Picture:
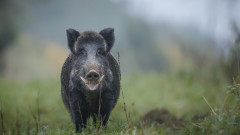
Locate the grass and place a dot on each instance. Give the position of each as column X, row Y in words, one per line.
column 35, row 107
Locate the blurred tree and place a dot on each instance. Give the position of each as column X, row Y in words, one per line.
column 8, row 27
column 233, row 63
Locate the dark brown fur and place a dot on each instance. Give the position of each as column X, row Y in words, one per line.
column 81, row 102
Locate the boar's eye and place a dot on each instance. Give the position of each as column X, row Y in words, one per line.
column 100, row 52
column 82, row 52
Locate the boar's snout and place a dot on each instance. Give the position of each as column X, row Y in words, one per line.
column 92, row 75
column 92, row 79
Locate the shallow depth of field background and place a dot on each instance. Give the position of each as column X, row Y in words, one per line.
column 172, row 54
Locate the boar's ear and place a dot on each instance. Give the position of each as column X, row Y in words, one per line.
column 108, row 35
column 72, row 36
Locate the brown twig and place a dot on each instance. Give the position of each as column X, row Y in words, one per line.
column 35, row 119
column 38, row 109
column 2, row 120
column 37, row 116
column 28, row 127
column 18, row 125
column 119, row 66
column 124, row 103
column 197, row 125
column 209, row 106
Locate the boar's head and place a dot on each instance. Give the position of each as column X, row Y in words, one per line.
column 90, row 70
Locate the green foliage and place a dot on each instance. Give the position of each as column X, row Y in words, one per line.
column 35, row 107
column 226, row 120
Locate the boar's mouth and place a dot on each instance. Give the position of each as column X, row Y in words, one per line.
column 92, row 85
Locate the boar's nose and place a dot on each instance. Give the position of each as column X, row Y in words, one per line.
column 92, row 75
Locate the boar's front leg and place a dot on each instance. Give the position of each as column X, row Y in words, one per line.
column 78, row 110
column 107, row 101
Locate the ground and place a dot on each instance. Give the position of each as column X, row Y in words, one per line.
column 206, row 107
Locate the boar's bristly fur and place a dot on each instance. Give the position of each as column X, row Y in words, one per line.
column 90, row 77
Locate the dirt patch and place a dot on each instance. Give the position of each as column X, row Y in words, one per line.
column 160, row 117
column 200, row 116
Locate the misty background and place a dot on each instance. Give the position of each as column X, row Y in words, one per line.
column 151, row 35
column 180, row 56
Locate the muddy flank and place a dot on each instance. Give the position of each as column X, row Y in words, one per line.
column 162, row 117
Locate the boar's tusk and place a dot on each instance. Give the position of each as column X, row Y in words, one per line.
column 100, row 79
column 84, row 80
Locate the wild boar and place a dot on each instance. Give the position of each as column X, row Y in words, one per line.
column 90, row 77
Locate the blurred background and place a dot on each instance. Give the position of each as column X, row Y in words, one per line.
column 151, row 36
column 174, row 51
